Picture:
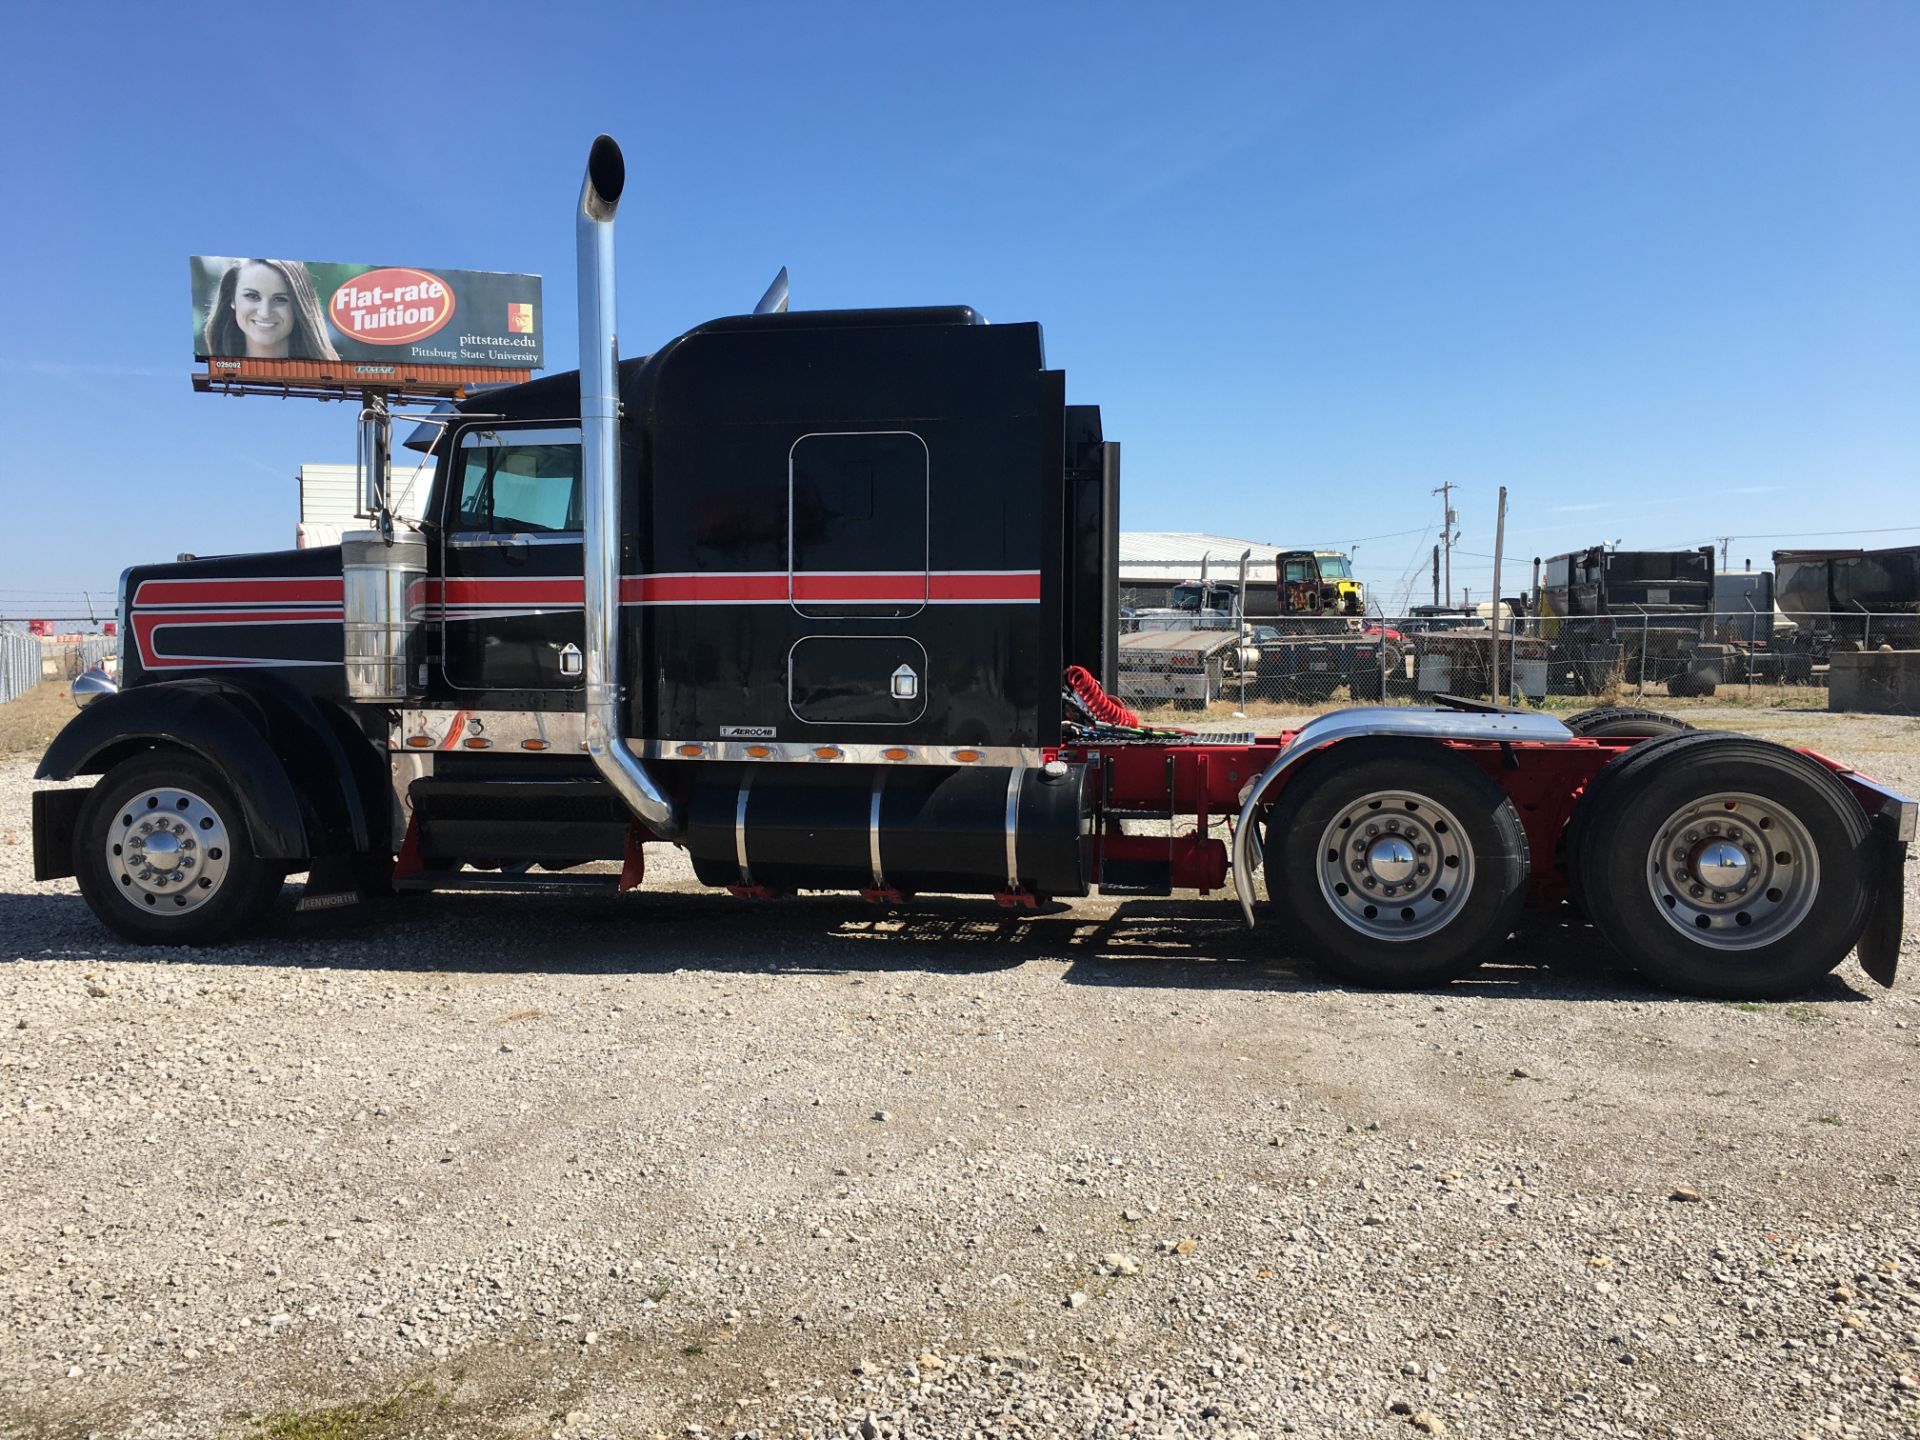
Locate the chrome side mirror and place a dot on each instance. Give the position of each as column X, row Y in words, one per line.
column 90, row 685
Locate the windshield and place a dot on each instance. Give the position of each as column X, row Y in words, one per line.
column 1335, row 567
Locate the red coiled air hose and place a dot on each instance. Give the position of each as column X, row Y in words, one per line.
column 1102, row 706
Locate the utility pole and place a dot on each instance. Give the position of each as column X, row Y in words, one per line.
column 1725, row 541
column 1436, row 577
column 1447, row 537
column 1499, row 547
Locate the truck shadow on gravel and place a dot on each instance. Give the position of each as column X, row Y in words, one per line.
column 1162, row 944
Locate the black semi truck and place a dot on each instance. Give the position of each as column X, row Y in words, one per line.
column 827, row 599
column 1636, row 616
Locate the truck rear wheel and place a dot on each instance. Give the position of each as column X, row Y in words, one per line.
column 1625, row 722
column 1396, row 863
column 1725, row 866
column 163, row 856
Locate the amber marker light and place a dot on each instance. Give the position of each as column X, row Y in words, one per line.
column 759, row 752
column 419, row 742
column 692, row 752
column 826, row 752
column 478, row 743
column 895, row 752
column 967, row 757
column 534, row 745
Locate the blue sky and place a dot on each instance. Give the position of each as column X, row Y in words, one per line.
column 1654, row 267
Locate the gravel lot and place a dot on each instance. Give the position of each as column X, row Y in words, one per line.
column 680, row 1164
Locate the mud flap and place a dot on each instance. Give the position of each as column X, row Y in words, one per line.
column 56, row 815
column 1880, row 942
column 333, row 891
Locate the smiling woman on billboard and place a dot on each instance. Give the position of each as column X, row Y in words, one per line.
column 268, row 310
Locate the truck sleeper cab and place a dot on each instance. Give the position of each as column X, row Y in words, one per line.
column 798, row 592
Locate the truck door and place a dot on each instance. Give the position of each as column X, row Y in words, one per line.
column 509, row 599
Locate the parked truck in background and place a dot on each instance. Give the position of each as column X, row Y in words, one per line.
column 817, row 597
column 1633, row 615
column 1851, row 599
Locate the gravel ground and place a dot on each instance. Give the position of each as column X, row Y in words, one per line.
column 679, row 1164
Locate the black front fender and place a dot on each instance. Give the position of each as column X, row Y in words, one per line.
column 202, row 719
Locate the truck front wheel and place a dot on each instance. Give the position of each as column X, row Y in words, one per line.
column 163, row 855
column 1396, row 863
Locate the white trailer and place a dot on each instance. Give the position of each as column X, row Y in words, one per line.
column 330, row 500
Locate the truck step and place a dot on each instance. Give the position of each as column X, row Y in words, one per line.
column 470, row 881
column 1136, row 877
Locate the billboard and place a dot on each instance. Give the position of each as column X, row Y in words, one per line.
column 364, row 317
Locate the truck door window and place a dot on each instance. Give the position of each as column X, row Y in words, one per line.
column 512, row 483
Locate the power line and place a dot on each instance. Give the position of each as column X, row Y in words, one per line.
column 1812, row 534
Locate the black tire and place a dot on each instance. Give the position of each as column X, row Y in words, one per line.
column 1631, row 805
column 1488, row 831
column 1689, row 685
column 1625, row 722
column 1310, row 689
column 246, row 889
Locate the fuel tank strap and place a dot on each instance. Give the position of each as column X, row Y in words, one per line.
column 740, row 828
column 873, row 831
column 1014, row 778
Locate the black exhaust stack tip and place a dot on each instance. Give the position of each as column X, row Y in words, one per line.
column 607, row 172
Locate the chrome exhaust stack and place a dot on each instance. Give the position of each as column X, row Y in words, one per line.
column 600, row 499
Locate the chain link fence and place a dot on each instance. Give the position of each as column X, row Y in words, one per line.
column 1193, row 661
column 26, row 660
column 19, row 663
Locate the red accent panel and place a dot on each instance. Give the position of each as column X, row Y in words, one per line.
column 1020, row 587
column 852, row 589
column 243, row 590
column 510, row 592
column 764, row 587
column 717, row 589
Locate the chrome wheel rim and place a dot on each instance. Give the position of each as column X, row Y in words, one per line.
column 168, row 851
column 1733, row 871
column 1393, row 865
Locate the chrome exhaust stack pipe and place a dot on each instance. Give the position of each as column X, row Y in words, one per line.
column 600, row 499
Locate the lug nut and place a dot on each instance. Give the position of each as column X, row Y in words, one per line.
column 1696, row 891
column 1422, row 848
column 1373, row 829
